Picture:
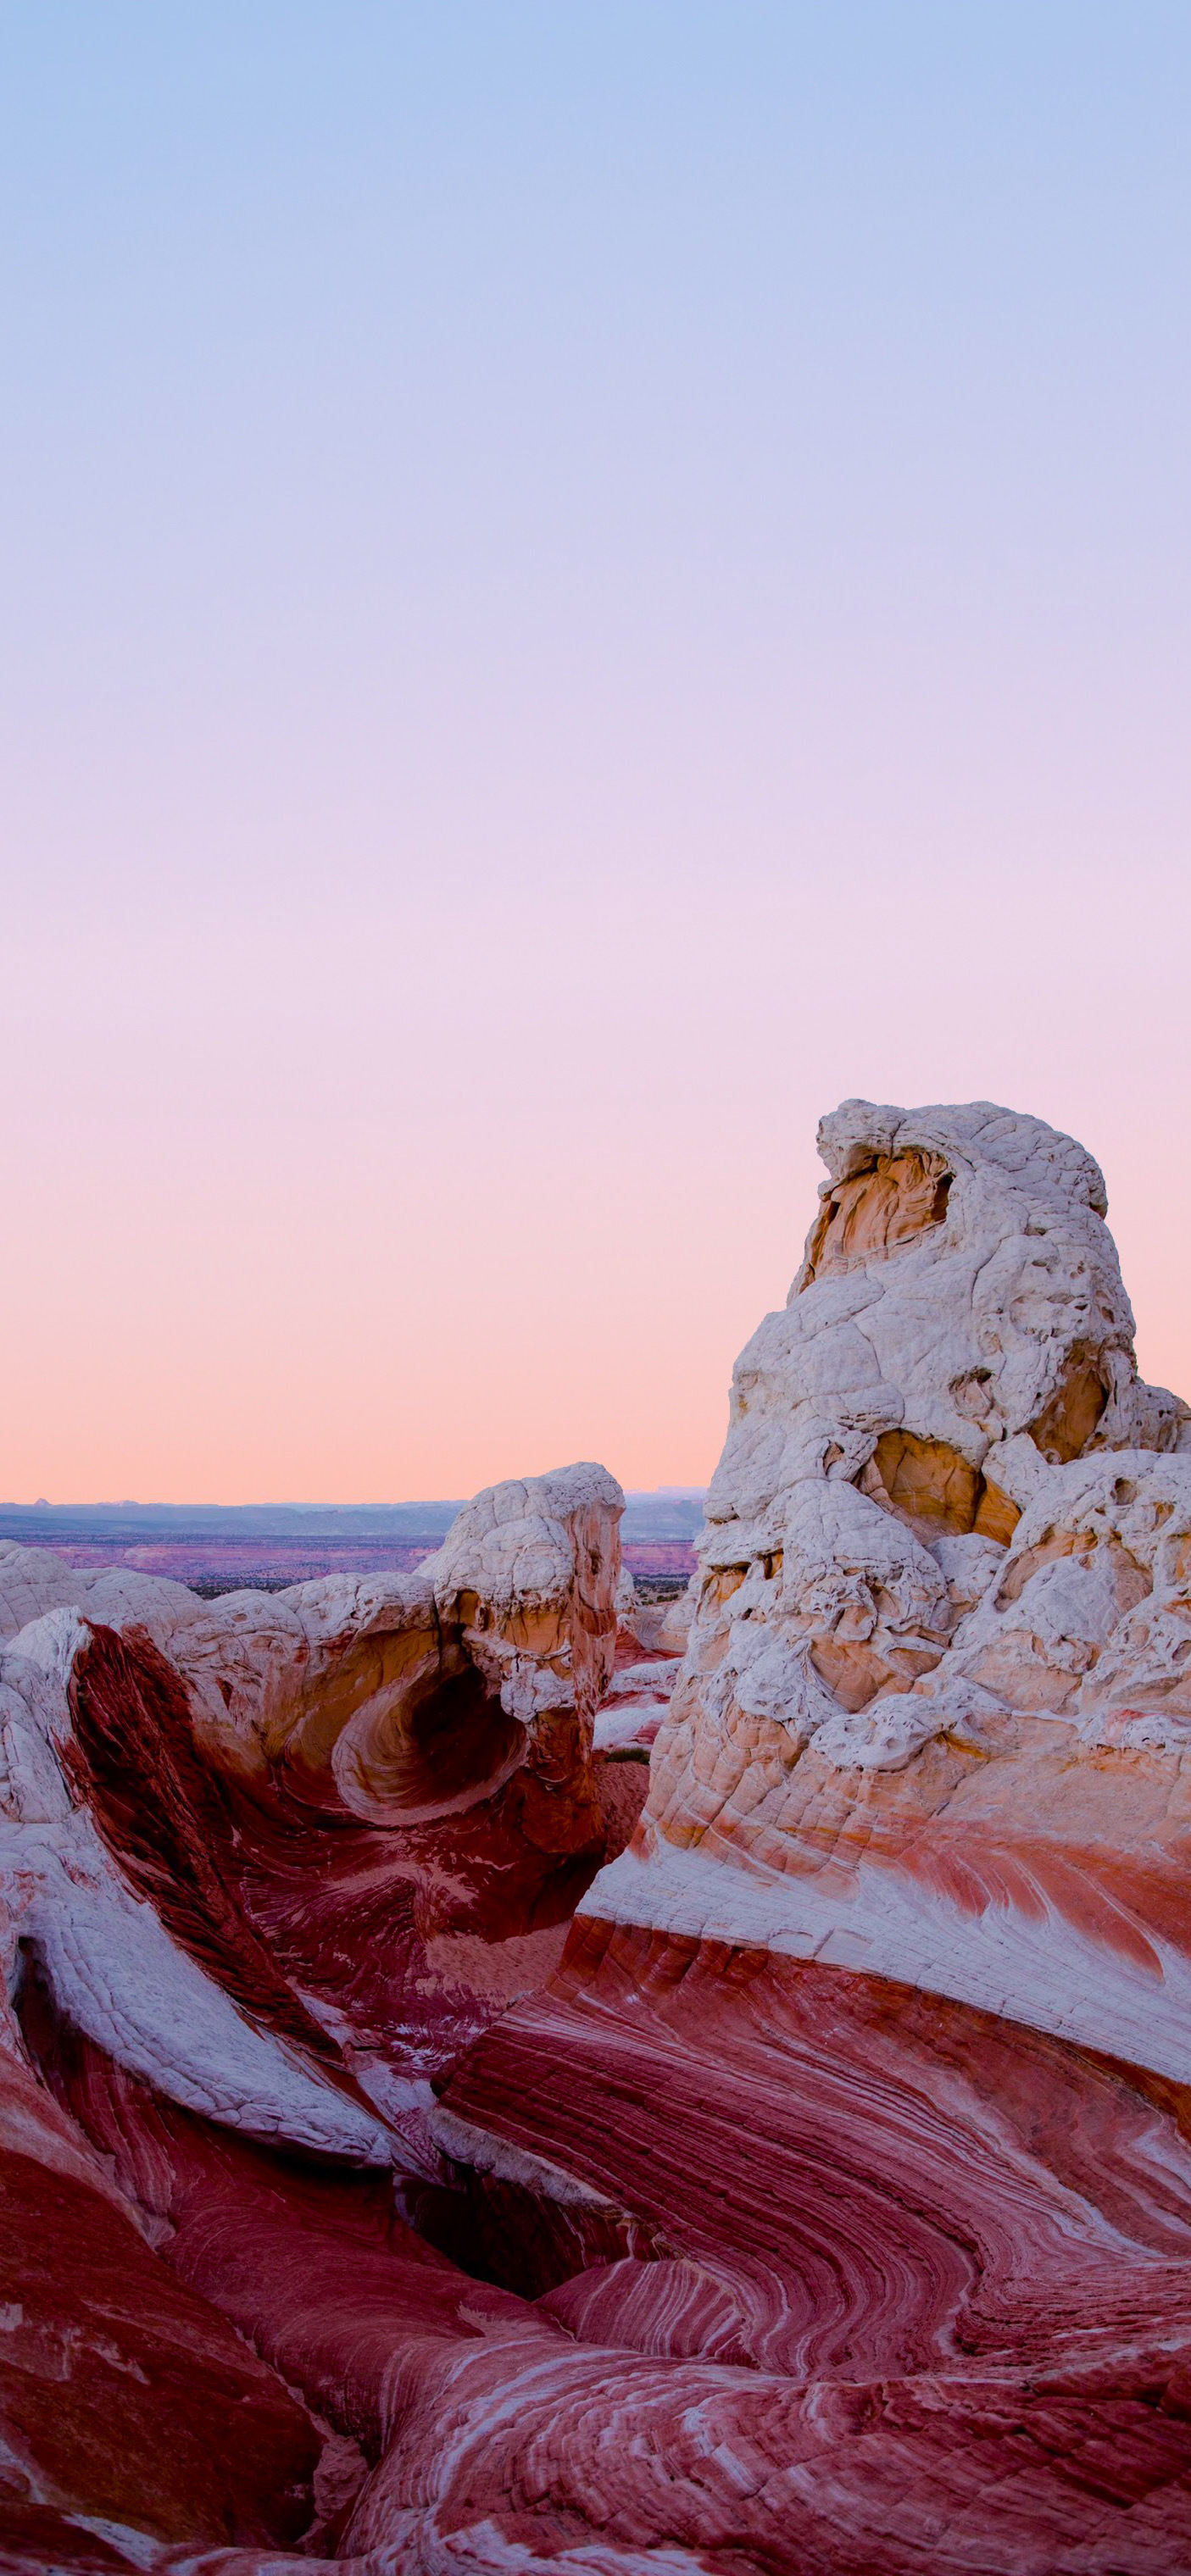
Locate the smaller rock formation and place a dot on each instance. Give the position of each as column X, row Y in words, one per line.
column 376, row 1795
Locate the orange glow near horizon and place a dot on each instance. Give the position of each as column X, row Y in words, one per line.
column 236, row 1292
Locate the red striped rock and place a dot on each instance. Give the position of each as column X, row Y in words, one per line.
column 125, row 2396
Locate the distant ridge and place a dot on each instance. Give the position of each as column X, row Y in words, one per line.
column 229, row 1547
column 670, row 1512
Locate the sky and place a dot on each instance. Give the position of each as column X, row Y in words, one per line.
column 580, row 582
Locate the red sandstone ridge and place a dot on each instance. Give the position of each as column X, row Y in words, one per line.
column 411, row 2168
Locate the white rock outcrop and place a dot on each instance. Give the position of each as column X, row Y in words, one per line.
column 408, row 1702
column 945, row 1585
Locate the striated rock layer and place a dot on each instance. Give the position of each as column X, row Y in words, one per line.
column 820, row 2200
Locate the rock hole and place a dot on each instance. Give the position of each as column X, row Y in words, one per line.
column 927, row 1484
column 1065, row 1425
column 894, row 1200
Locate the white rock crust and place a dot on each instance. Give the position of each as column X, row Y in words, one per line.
column 518, row 1550
column 33, row 1580
column 978, row 1344
column 952, row 1527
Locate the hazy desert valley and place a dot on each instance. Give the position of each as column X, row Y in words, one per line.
column 504, row 2074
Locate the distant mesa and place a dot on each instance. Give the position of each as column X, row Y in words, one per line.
column 515, row 2063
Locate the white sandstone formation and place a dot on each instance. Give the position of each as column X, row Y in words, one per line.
column 398, row 1701
column 530, row 1570
column 945, row 1595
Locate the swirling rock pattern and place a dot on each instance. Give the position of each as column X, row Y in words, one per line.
column 419, row 2161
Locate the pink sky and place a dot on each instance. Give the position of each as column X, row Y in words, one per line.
column 580, row 593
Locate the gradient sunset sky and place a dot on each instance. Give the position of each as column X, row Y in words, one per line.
column 582, row 579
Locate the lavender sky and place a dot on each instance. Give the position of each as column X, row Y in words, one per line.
column 582, row 579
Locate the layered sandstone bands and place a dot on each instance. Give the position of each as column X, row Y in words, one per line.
column 820, row 2200
column 890, row 1996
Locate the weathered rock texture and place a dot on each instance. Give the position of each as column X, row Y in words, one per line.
column 825, row 2203
column 936, row 1705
